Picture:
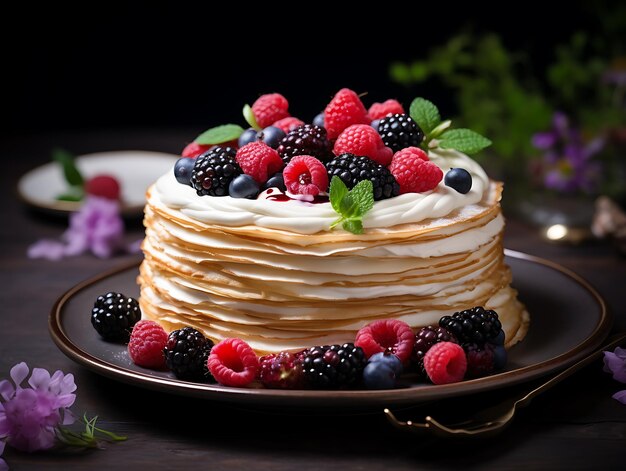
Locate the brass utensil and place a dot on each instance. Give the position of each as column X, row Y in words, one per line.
column 494, row 419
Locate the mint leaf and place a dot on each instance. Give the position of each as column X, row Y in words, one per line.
column 463, row 140
column 70, row 172
column 75, row 193
column 338, row 190
column 425, row 114
column 351, row 205
column 248, row 115
column 353, row 225
column 219, row 134
column 349, row 208
column 363, row 194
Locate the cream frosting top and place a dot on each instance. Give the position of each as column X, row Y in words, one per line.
column 308, row 218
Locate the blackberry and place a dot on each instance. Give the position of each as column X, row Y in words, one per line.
column 186, row 353
column 475, row 325
column 114, row 315
column 399, row 131
column 214, row 170
column 352, row 169
column 307, row 139
column 425, row 338
column 333, row 366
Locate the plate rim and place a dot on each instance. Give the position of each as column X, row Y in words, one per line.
column 343, row 398
column 67, row 207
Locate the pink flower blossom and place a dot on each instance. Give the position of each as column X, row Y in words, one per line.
column 97, row 227
column 29, row 416
column 615, row 363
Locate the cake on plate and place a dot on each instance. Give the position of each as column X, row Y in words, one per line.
column 302, row 234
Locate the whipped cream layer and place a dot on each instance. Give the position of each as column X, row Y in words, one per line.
column 273, row 274
column 307, row 218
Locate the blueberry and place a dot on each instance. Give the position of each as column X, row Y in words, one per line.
column 243, row 186
column 459, row 179
column 182, row 170
column 499, row 357
column 379, row 375
column 391, row 360
column 499, row 340
column 319, row 120
column 271, row 135
column 248, row 136
column 276, row 181
column 375, row 124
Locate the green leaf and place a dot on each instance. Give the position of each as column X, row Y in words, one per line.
column 363, row 194
column 338, row 190
column 348, row 207
column 248, row 115
column 351, row 205
column 463, row 140
column 70, row 172
column 425, row 114
column 353, row 225
column 74, row 194
column 219, row 134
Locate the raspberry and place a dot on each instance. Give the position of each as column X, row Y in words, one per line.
column 362, row 139
column 480, row 360
column 232, row 362
column 281, row 371
column 288, row 124
column 305, row 175
column 386, row 335
column 270, row 108
column 445, row 363
column 380, row 110
column 425, row 338
column 194, row 149
column 259, row 160
column 104, row 186
column 344, row 110
column 146, row 345
column 414, row 172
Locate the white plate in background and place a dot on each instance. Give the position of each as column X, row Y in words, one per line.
column 135, row 170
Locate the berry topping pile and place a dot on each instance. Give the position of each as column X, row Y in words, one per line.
column 386, row 145
column 465, row 345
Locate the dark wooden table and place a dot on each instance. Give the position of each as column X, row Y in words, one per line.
column 577, row 425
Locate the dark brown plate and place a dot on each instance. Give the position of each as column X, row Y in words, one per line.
column 568, row 320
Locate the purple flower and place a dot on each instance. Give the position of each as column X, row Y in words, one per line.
column 615, row 363
column 567, row 159
column 3, row 464
column 29, row 416
column 97, row 227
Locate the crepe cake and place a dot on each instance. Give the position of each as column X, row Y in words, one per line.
column 274, row 273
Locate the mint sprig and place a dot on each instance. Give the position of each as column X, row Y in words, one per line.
column 219, row 134
column 74, row 179
column 351, row 204
column 90, row 438
column 438, row 134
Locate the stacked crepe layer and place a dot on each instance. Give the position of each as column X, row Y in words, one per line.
column 281, row 290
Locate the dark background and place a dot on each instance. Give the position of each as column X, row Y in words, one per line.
column 77, row 68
